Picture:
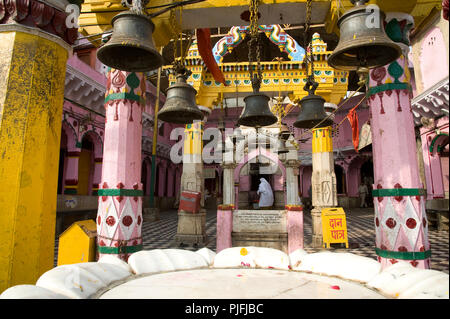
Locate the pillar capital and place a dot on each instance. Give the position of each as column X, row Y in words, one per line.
column 292, row 163
column 38, row 15
column 229, row 165
column 398, row 26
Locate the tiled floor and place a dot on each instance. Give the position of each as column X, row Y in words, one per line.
column 361, row 235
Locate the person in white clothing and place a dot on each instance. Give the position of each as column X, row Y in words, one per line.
column 363, row 191
column 265, row 194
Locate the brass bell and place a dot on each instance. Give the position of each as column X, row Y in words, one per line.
column 131, row 45
column 312, row 110
column 363, row 41
column 312, row 113
column 284, row 132
column 283, row 149
column 256, row 112
column 180, row 106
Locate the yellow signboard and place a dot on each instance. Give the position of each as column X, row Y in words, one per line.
column 334, row 226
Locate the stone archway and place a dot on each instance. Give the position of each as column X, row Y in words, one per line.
column 261, row 152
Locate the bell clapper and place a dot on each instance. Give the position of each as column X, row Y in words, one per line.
column 363, row 74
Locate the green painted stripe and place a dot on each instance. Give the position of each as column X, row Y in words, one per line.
column 388, row 87
column 119, row 250
column 120, row 192
column 124, row 96
column 70, row 191
column 382, row 192
column 404, row 255
column 434, row 141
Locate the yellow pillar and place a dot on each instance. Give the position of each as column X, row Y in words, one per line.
column 323, row 179
column 32, row 73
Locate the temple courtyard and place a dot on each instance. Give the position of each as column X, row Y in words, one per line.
column 160, row 234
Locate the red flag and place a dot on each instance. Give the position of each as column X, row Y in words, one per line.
column 205, row 50
column 352, row 117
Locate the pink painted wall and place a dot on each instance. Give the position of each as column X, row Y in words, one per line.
column 435, row 180
column 433, row 58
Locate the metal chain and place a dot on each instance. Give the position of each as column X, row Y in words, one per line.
column 137, row 6
column 253, row 28
column 311, row 84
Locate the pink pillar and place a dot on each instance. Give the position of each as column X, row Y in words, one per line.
column 294, row 227
column 119, row 218
column 400, row 218
column 224, row 227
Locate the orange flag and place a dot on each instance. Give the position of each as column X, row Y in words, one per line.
column 352, row 117
column 205, row 50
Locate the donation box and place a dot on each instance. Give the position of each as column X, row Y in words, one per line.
column 190, row 202
column 334, row 226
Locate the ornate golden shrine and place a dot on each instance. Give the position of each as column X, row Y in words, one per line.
column 287, row 77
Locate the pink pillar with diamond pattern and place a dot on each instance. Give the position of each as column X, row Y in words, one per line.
column 119, row 218
column 400, row 218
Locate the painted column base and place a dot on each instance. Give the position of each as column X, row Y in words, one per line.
column 151, row 214
column 224, row 228
column 317, row 237
column 295, row 227
column 191, row 229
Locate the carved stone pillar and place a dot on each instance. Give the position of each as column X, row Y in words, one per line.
column 323, row 180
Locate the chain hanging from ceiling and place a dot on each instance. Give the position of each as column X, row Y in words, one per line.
column 256, row 112
column 312, row 113
column 254, row 44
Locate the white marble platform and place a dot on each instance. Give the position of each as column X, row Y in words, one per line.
column 236, row 273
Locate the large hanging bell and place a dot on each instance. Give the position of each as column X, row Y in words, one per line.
column 312, row 113
column 131, row 45
column 363, row 41
column 256, row 112
column 180, row 106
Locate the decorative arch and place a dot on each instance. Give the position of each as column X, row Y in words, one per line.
column 253, row 154
column 97, row 140
column 146, row 171
column 71, row 134
column 438, row 142
column 274, row 32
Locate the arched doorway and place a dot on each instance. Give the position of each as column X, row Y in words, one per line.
column 275, row 170
column 340, row 180
column 62, row 161
column 144, row 173
column 84, row 165
column 366, row 173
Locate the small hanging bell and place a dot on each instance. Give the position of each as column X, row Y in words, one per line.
column 283, row 149
column 312, row 112
column 256, row 112
column 180, row 106
column 131, row 45
column 284, row 132
column 363, row 41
